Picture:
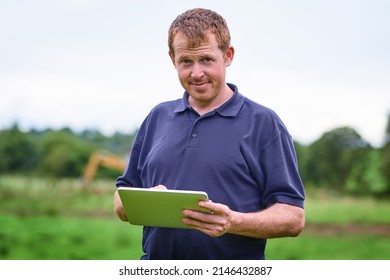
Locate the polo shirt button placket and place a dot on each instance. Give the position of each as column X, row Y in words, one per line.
column 193, row 140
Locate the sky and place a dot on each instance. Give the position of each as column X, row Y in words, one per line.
column 104, row 65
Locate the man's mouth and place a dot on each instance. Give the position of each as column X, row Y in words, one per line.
column 199, row 85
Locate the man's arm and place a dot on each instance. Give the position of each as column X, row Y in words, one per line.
column 279, row 220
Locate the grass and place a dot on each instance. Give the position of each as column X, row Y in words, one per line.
column 67, row 238
column 311, row 247
column 45, row 219
column 57, row 219
column 337, row 209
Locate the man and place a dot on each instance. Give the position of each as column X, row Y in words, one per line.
column 215, row 140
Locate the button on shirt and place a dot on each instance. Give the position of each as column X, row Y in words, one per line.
column 241, row 154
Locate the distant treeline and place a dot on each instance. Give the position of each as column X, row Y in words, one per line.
column 340, row 160
column 58, row 153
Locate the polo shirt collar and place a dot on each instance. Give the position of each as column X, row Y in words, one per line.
column 231, row 108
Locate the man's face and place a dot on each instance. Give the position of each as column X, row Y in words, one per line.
column 201, row 69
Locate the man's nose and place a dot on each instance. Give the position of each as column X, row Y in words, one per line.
column 197, row 71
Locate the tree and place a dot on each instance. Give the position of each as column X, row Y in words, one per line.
column 332, row 157
column 302, row 152
column 387, row 130
column 365, row 176
column 18, row 151
column 385, row 157
column 63, row 154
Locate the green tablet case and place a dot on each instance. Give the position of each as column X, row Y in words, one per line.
column 159, row 208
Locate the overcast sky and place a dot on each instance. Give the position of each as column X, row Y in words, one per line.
column 103, row 65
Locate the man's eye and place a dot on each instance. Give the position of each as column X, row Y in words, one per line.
column 207, row 60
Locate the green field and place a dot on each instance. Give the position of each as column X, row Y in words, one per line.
column 57, row 219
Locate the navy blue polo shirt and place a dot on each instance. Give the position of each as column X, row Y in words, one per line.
column 241, row 154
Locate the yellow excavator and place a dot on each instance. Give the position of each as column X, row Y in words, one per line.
column 105, row 159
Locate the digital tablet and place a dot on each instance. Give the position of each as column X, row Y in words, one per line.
column 159, row 208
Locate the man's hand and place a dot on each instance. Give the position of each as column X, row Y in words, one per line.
column 160, row 187
column 216, row 223
column 278, row 220
column 118, row 207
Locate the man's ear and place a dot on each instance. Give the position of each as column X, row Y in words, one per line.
column 172, row 56
column 229, row 55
